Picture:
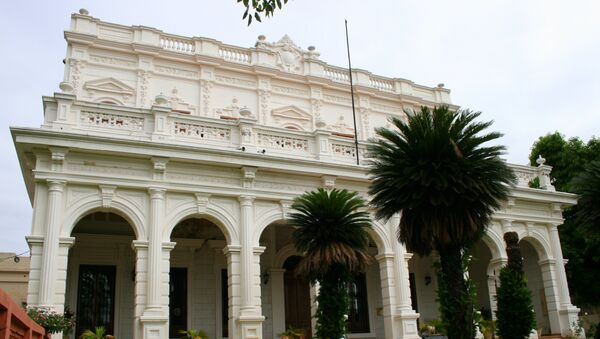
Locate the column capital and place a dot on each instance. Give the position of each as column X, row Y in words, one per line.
column 157, row 192
column 546, row 262
column 231, row 249
column 66, row 242
column 246, row 200
column 259, row 250
column 384, row 256
column 139, row 244
column 168, row 245
column 56, row 185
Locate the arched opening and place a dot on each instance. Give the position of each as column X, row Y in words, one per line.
column 535, row 283
column 288, row 300
column 297, row 297
column 101, row 274
column 478, row 273
column 198, row 279
column 423, row 287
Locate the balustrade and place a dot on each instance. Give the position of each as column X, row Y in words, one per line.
column 237, row 55
column 177, row 45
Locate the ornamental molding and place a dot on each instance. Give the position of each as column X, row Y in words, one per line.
column 291, row 112
column 109, row 85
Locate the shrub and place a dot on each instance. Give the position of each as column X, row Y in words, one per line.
column 51, row 321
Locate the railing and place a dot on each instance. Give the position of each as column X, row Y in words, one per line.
column 337, row 74
column 382, row 84
column 144, row 124
column 15, row 323
column 177, row 45
column 237, row 55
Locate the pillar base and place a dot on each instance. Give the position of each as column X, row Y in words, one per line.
column 250, row 324
column 405, row 322
column 155, row 325
column 569, row 318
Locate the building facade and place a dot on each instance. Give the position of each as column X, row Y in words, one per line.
column 163, row 171
column 14, row 276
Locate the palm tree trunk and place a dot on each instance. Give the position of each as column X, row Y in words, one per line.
column 332, row 304
column 456, row 306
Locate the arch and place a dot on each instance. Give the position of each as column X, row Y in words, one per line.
column 541, row 246
column 494, row 243
column 283, row 254
column 266, row 219
column 380, row 237
column 293, row 126
column 109, row 100
column 224, row 221
column 92, row 204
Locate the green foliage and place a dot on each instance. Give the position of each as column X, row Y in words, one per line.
column 487, row 326
column 256, row 8
column 587, row 185
column 98, row 333
column 580, row 244
column 331, row 230
column 52, row 322
column 437, row 171
column 193, row 334
column 452, row 300
column 515, row 313
column 292, row 332
column 534, row 183
column 433, row 327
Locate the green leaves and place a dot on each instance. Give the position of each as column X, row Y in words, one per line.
column 256, row 8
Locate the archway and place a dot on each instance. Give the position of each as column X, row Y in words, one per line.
column 535, row 283
column 481, row 255
column 101, row 274
column 282, row 289
column 198, row 279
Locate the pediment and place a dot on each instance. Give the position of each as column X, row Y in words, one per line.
column 110, row 85
column 291, row 112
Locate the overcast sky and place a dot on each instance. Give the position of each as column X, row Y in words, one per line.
column 531, row 66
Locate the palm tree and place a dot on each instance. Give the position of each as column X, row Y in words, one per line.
column 434, row 170
column 331, row 230
column 587, row 186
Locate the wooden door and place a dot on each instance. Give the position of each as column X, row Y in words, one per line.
column 297, row 298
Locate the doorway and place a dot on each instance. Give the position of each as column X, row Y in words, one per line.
column 96, row 298
column 297, row 297
column 177, row 301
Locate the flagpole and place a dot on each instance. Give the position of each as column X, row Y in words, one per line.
column 352, row 94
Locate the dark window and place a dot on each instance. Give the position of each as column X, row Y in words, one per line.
column 224, row 304
column 96, row 298
column 358, row 314
column 177, row 301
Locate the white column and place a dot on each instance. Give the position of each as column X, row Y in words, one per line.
column 493, row 282
column 141, row 284
column 250, row 318
column 232, row 252
column 551, row 293
column 388, row 292
column 277, row 299
column 157, row 196
column 156, row 313
column 51, row 243
column 405, row 318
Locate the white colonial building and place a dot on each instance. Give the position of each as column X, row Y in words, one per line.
column 161, row 177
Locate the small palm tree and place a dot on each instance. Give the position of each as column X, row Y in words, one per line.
column 434, row 170
column 331, row 230
column 193, row 334
column 98, row 333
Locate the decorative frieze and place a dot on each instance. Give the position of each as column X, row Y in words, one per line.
column 290, row 91
column 201, row 131
column 232, row 81
column 112, row 61
column 108, row 120
column 170, row 70
column 283, row 142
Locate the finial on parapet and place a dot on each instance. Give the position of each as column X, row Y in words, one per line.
column 540, row 161
column 84, row 11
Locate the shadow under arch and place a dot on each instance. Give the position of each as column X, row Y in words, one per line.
column 542, row 248
column 88, row 206
column 217, row 217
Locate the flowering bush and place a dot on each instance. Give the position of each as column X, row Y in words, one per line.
column 52, row 322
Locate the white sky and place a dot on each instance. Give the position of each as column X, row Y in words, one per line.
column 531, row 66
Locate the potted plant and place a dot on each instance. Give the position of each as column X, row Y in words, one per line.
column 51, row 321
column 292, row 333
column 98, row 333
column 193, row 334
column 487, row 328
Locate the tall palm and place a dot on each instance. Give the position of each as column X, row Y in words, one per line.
column 587, row 186
column 434, row 169
column 331, row 230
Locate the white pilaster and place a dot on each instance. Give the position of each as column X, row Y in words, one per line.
column 249, row 321
column 232, row 252
column 277, row 299
column 155, row 316
column 50, row 251
column 141, row 283
column 550, row 290
column 388, row 292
